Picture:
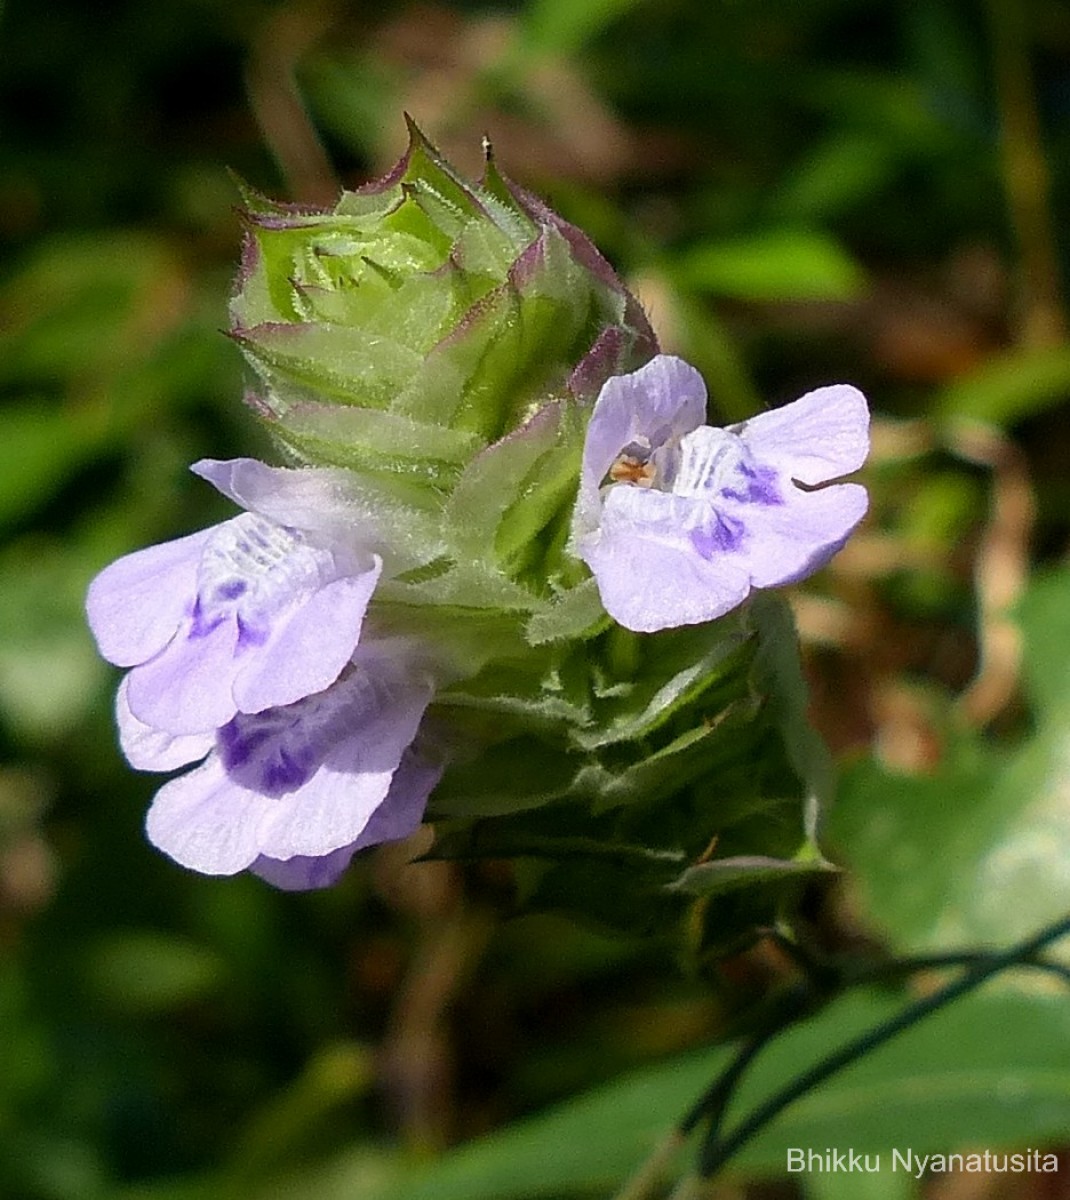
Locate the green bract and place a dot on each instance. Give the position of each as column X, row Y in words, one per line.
column 444, row 342
column 423, row 318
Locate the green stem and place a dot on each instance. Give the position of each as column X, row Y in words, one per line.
column 898, row 967
column 784, row 1010
column 1026, row 175
column 715, row 1100
column 642, row 1185
column 715, row 1153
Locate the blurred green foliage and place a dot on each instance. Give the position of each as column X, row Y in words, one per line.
column 984, row 1067
column 800, row 192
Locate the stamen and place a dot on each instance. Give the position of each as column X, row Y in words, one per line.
column 629, row 469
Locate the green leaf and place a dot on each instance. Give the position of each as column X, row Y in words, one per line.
column 514, row 776
column 782, row 264
column 981, row 1073
column 1045, row 617
column 1009, row 387
column 81, row 306
column 44, row 444
column 380, row 441
column 350, row 366
column 778, row 678
column 739, row 871
column 358, row 1172
column 841, row 173
column 977, row 852
column 575, row 612
column 49, row 671
column 489, row 843
column 150, row 972
column 902, row 840
column 353, row 96
column 278, row 1133
column 563, row 26
column 488, row 487
column 673, row 669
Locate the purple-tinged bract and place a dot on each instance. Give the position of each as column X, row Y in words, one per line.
column 424, row 317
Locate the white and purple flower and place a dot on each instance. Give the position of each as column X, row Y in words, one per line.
column 246, row 650
column 243, row 616
column 678, row 521
column 292, row 792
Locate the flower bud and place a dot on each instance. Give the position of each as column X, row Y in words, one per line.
column 423, row 318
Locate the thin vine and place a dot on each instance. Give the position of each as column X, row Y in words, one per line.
column 718, row 1148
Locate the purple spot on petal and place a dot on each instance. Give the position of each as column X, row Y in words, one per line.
column 723, row 534
column 268, row 752
column 239, row 739
column 758, row 486
column 202, row 625
column 250, row 634
column 284, row 772
column 231, row 590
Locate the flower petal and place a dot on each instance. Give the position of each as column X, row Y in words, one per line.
column 389, row 520
column 338, row 802
column 300, row 497
column 403, row 809
column 664, row 398
column 271, row 616
column 821, row 436
column 299, row 781
column 206, row 821
column 303, row 873
column 790, row 541
column 307, row 649
column 136, row 604
column 649, row 572
column 399, row 815
column 150, row 749
column 187, row 688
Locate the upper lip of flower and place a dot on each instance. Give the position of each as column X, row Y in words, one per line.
column 242, row 617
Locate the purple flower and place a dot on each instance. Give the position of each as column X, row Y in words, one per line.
column 292, row 792
column 678, row 521
column 246, row 616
